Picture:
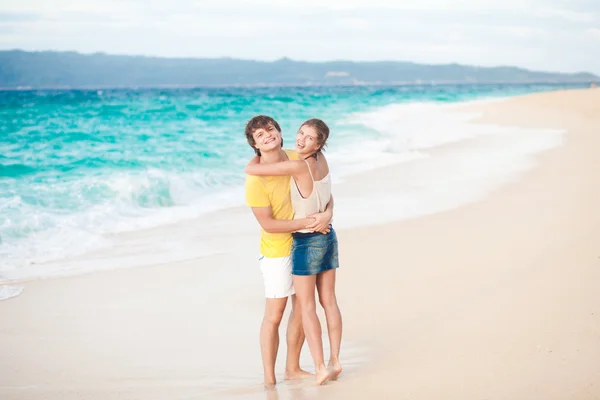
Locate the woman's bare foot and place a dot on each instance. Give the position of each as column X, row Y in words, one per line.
column 335, row 367
column 297, row 375
column 322, row 376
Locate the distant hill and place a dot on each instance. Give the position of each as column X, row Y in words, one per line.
column 50, row 69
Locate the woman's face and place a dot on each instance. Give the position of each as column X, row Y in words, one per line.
column 306, row 141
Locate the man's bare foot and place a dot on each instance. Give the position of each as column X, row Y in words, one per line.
column 270, row 384
column 335, row 367
column 297, row 375
column 322, row 376
column 271, row 391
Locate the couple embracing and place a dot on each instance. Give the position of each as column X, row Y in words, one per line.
column 289, row 193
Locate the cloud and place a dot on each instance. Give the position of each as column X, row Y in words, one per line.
column 521, row 31
column 18, row 17
column 529, row 33
column 569, row 15
column 593, row 32
column 354, row 23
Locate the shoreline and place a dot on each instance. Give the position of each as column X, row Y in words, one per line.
column 426, row 162
column 493, row 299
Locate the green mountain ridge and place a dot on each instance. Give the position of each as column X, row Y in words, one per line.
column 49, row 69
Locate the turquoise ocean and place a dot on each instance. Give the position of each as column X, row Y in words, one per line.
column 77, row 165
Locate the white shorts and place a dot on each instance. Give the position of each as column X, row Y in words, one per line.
column 277, row 276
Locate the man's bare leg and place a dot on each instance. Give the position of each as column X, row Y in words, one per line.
column 269, row 337
column 295, row 340
column 327, row 298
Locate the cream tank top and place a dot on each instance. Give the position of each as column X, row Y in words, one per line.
column 316, row 202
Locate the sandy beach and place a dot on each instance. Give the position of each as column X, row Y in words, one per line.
column 497, row 299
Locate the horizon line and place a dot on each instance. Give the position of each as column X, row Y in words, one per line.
column 26, row 88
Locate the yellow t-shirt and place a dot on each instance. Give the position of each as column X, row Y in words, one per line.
column 273, row 191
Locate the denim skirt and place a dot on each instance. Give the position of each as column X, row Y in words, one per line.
column 313, row 253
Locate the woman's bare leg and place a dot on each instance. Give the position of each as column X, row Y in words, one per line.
column 305, row 295
column 295, row 340
column 327, row 298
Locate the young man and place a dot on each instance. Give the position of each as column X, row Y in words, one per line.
column 269, row 198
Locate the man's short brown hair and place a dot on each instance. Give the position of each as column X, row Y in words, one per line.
column 259, row 122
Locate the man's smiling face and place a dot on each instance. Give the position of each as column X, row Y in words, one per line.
column 267, row 139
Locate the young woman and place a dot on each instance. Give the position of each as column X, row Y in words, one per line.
column 314, row 254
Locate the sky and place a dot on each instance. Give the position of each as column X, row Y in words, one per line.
column 548, row 35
